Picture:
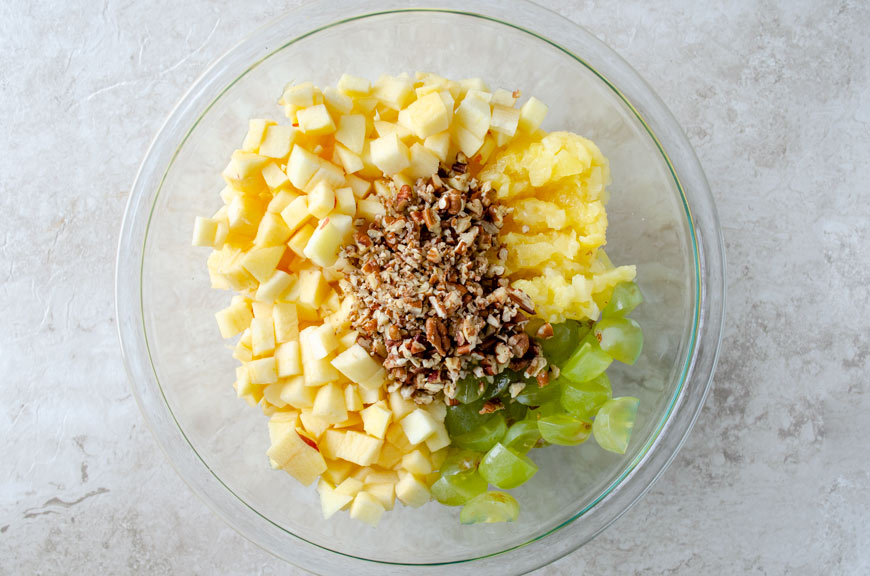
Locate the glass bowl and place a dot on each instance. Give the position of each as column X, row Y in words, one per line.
column 662, row 218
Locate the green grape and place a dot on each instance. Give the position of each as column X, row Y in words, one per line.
column 522, row 436
column 464, row 418
column 457, row 489
column 620, row 338
column 501, row 382
column 625, row 298
column 469, row 389
column 534, row 395
column 614, row 422
column 545, row 409
column 564, row 341
column 513, row 410
column 587, row 362
column 582, row 400
column 485, row 436
column 506, row 468
column 490, row 507
column 564, row 429
column 459, row 460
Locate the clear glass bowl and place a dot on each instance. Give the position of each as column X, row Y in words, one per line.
column 662, row 218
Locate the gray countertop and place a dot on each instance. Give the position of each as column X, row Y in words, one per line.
column 774, row 478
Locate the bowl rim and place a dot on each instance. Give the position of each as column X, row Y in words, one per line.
column 707, row 248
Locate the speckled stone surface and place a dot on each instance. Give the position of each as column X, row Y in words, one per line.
column 774, row 479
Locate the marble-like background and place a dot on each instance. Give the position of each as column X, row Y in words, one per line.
column 775, row 96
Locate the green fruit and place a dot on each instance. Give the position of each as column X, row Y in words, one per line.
column 587, row 362
column 564, row 430
column 614, row 422
column 625, row 298
column 490, row 507
column 583, row 399
column 457, row 489
column 620, row 338
column 506, row 468
column 522, row 436
column 484, row 436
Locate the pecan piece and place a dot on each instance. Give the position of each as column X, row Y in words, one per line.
column 491, row 406
column 436, row 334
column 545, row 332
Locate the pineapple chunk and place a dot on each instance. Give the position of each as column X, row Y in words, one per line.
column 423, row 162
column 277, row 141
column 245, row 172
column 427, row 116
column 288, row 359
column 412, row 491
column 359, row 186
column 286, row 322
column 390, row 154
column 256, row 131
column 296, row 213
column 204, row 231
column 439, row 145
column 274, row 287
column 418, row 426
column 345, row 201
column 234, row 319
column 331, row 501
column 300, row 239
column 350, row 161
column 297, row 394
column 366, row 508
column 353, row 85
column 352, row 132
column 262, row 337
column 315, row 120
column 322, row 341
column 321, row 200
column 263, row 371
column 272, row 231
column 356, row 364
column 301, row 167
column 325, row 242
column 376, row 419
column 532, row 114
column 416, row 463
column 504, row 120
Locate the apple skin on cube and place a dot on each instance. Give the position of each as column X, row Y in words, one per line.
column 390, row 154
column 532, row 115
column 325, row 242
column 301, row 166
column 297, row 394
column 321, row 200
column 352, row 132
column 412, row 492
column 277, row 141
column 315, row 120
column 330, row 501
column 428, row 116
column 366, row 508
column 256, row 132
column 245, row 172
column 272, row 231
column 234, row 319
column 418, row 426
column 376, row 419
column 356, row 364
column 288, row 359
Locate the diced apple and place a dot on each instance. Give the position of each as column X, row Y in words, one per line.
column 321, row 200
column 245, row 171
column 370, row 396
column 347, row 339
column 439, row 439
column 503, row 97
column 399, row 406
column 349, row 161
column 272, row 231
column 376, row 419
column 345, row 201
column 482, row 95
column 412, row 491
column 263, row 370
column 277, row 141
column 390, row 456
column 467, row 142
column 275, row 178
column 312, row 288
column 416, row 463
column 288, row 359
column 277, row 420
column 331, row 173
column 246, row 389
column 301, row 167
column 338, row 470
column 418, row 425
column 354, row 420
column 532, row 114
column 428, row 116
column 272, row 394
column 438, row 144
column 393, row 92
column 297, row 394
column 324, row 244
column 360, row 448
column 274, row 287
column 315, row 371
column 474, row 115
column 300, row 239
column 331, row 501
column 244, row 214
column 350, row 486
column 294, row 455
column 356, row 364
column 423, row 162
column 322, row 341
column 234, row 319
column 299, row 95
column 204, row 231
column 359, row 186
column 366, row 508
column 281, row 200
column 256, row 132
column 396, row 437
column 336, row 102
column 390, row 154
column 286, row 322
column 242, row 350
column 333, row 301
column 262, row 336
column 437, row 410
column 472, row 84
column 384, row 493
column 353, row 401
column 369, row 169
column 315, row 120
column 353, row 85
column 314, row 425
column 388, row 128
column 376, row 381
column 352, row 132
column 370, row 208
column 486, row 149
column 296, row 213
column 340, row 319
column 505, row 120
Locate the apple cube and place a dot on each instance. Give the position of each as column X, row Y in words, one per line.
column 472, row 84
column 384, row 128
column 353, row 85
column 324, row 244
column 322, row 341
column 376, row 381
column 482, row 95
column 234, row 319
column 277, row 420
column 296, row 456
column 390, row 456
column 272, row 231
column 316, row 371
column 256, row 132
column 356, row 364
column 321, row 200
column 347, row 339
column 352, row 132
column 390, row 154
column 439, row 439
column 340, row 319
column 263, row 370
column 416, row 462
column 366, row 508
column 370, row 396
column 437, row 410
column 396, row 437
column 503, row 97
column 486, row 149
column 383, row 493
column 275, row 178
column 360, row 448
column 370, row 208
column 353, row 401
column 423, row 162
column 274, row 287
column 300, row 239
column 336, row 102
column 359, row 186
column 428, row 116
column 272, row 394
column 299, row 96
column 244, row 214
column 400, row 406
column 314, row 425
column 333, row 174
column 281, row 200
column 474, row 115
column 532, row 114
column 245, row 171
column 297, row 394
column 312, row 288
column 288, row 359
column 439, row 145
column 262, row 336
column 418, row 425
column 277, row 141
column 345, row 201
column 412, row 492
column 350, row 486
column 286, row 322
column 315, row 120
column 301, row 166
column 504, row 120
column 242, row 350
column 466, row 141
column 338, row 470
column 331, row 501
column 205, row 231
column 395, row 93
column 296, row 213
column 376, row 419
column 245, row 388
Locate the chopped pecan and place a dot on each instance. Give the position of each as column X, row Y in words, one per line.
column 491, row 406
column 545, row 332
column 436, row 334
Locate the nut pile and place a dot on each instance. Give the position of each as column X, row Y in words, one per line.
column 430, row 297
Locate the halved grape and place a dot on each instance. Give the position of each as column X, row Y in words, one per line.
column 545, row 409
column 464, row 418
column 534, row 395
column 506, row 468
column 513, row 410
column 564, row 429
column 566, row 337
column 459, row 460
column 614, row 422
column 625, row 298
column 469, row 389
column 457, row 489
column 484, row 436
column 620, row 338
column 522, row 436
column 500, row 383
column 587, row 362
column 583, row 399
column 490, row 507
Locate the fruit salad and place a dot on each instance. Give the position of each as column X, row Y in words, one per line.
column 421, row 295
